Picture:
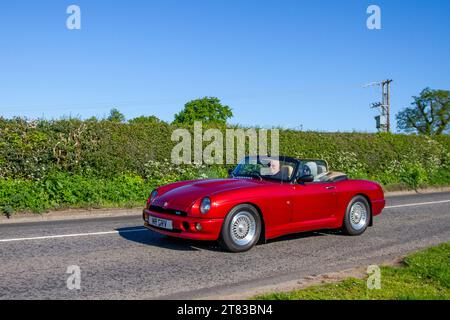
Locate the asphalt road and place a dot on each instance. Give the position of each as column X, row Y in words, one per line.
column 120, row 260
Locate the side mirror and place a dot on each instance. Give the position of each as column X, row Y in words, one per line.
column 305, row 179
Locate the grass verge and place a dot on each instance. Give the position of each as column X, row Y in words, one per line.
column 424, row 275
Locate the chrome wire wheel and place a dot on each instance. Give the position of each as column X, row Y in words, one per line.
column 358, row 216
column 243, row 228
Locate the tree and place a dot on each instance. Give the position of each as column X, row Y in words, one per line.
column 208, row 110
column 115, row 116
column 145, row 120
column 429, row 114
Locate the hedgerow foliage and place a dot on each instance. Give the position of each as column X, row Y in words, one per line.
column 73, row 163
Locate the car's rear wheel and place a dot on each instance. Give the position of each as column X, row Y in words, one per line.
column 357, row 217
column 241, row 229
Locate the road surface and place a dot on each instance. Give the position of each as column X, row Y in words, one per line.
column 118, row 259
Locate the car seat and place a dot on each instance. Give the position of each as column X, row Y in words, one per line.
column 286, row 172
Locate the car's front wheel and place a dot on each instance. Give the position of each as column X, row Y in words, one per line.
column 241, row 229
column 357, row 217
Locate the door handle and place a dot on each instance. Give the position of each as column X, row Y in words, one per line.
column 330, row 188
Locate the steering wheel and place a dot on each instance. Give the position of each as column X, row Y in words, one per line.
column 256, row 174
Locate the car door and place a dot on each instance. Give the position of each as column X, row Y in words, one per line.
column 313, row 202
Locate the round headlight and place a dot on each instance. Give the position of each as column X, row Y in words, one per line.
column 205, row 206
column 153, row 195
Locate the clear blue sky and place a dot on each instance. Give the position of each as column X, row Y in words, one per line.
column 286, row 63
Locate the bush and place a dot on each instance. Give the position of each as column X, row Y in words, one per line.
column 73, row 163
column 413, row 175
column 160, row 173
column 62, row 190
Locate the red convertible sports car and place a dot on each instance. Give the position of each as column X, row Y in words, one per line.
column 264, row 198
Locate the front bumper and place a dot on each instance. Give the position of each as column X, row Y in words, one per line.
column 185, row 227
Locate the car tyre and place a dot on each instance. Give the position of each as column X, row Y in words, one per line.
column 357, row 216
column 241, row 229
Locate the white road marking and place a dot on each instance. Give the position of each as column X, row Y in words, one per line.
column 73, row 235
column 416, row 204
column 144, row 229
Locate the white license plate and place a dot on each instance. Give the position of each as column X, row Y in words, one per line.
column 160, row 223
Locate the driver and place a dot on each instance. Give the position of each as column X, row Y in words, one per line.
column 274, row 167
column 275, row 170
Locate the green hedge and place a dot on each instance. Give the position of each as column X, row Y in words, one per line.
column 62, row 190
column 67, row 163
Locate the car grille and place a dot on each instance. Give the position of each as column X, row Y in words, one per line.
column 158, row 209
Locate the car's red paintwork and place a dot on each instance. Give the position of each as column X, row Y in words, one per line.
column 284, row 208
